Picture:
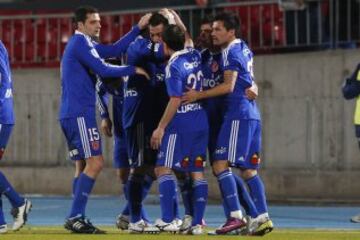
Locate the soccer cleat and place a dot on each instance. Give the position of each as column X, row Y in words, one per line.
column 186, row 224
column 196, row 230
column 20, row 214
column 81, row 225
column 142, row 227
column 231, row 225
column 261, row 227
column 178, row 222
column 122, row 222
column 355, row 219
column 3, row 229
column 171, row 227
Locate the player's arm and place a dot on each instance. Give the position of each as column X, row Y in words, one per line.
column 223, row 88
column 170, row 111
column 102, row 100
column 351, row 86
column 252, row 92
column 174, row 87
column 89, row 57
column 188, row 40
column 120, row 47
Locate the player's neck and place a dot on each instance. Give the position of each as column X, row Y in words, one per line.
column 227, row 43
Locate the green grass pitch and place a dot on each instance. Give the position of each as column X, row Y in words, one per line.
column 58, row 233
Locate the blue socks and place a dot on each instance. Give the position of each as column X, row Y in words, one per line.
column 84, row 186
column 2, row 218
column 126, row 210
column 167, row 186
column 257, row 191
column 200, row 195
column 74, row 184
column 228, row 190
column 185, row 190
column 245, row 198
column 5, row 188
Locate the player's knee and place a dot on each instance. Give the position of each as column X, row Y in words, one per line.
column 123, row 174
column 96, row 164
column 159, row 171
column 248, row 173
column 219, row 167
column 197, row 176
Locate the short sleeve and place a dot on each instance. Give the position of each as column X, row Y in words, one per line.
column 174, row 83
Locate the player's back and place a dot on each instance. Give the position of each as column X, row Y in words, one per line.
column 184, row 71
column 77, row 81
column 238, row 57
column 6, row 87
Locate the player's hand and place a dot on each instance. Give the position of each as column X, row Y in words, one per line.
column 156, row 138
column 168, row 15
column 178, row 20
column 144, row 21
column 106, row 127
column 190, row 96
column 141, row 71
column 252, row 92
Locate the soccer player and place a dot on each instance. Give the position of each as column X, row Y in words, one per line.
column 182, row 133
column 82, row 64
column 120, row 156
column 20, row 206
column 214, row 107
column 144, row 104
column 238, row 144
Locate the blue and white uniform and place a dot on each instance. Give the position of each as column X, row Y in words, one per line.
column 120, row 156
column 183, row 146
column 240, row 135
column 213, row 76
column 81, row 65
column 143, row 104
column 7, row 116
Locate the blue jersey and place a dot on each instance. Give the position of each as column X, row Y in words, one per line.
column 103, row 102
column 6, row 88
column 238, row 57
column 81, row 65
column 184, row 71
column 138, row 91
column 213, row 76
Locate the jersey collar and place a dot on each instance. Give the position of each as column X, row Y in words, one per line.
column 86, row 36
column 178, row 53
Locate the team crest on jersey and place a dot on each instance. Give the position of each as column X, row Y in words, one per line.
column 255, row 159
column 214, row 67
column 185, row 162
column 199, row 162
column 95, row 145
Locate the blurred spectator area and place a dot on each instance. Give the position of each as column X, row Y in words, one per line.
column 38, row 37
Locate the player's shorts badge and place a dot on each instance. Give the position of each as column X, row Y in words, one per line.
column 95, row 145
column 255, row 159
column 185, row 162
column 199, row 162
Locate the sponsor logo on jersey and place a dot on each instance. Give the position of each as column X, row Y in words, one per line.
column 130, row 93
column 191, row 65
column 189, row 108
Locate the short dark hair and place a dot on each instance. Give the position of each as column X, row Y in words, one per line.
column 208, row 19
column 157, row 19
column 230, row 20
column 174, row 37
column 82, row 12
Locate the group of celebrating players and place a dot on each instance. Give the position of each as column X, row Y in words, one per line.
column 172, row 103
